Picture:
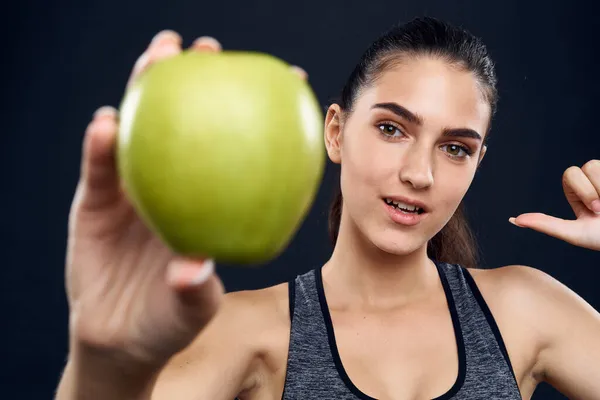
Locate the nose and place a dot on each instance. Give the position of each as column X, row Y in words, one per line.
column 417, row 169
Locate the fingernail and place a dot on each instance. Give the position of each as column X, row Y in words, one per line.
column 106, row 111
column 166, row 34
column 164, row 50
column 208, row 43
column 205, row 272
column 596, row 206
column 301, row 72
column 513, row 220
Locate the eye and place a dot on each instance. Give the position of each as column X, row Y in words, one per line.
column 457, row 151
column 389, row 131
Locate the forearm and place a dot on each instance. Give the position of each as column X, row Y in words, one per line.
column 87, row 379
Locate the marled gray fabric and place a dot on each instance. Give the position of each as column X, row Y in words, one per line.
column 484, row 372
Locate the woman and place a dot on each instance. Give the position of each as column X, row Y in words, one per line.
column 399, row 311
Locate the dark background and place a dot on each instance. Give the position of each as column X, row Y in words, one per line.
column 62, row 60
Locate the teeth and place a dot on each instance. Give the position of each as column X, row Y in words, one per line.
column 403, row 206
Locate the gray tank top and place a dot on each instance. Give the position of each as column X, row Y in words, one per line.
column 315, row 371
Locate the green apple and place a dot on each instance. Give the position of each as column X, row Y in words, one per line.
column 221, row 154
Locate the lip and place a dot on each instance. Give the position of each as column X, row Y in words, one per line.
column 402, row 218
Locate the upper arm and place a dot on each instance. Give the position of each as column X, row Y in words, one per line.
column 568, row 334
column 221, row 362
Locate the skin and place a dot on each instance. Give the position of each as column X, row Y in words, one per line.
column 382, row 290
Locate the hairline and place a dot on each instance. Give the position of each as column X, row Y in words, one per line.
column 390, row 59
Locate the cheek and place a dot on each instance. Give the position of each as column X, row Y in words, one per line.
column 367, row 160
column 451, row 187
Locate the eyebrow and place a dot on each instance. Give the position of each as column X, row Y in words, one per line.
column 418, row 120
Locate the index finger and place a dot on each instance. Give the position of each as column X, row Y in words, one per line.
column 165, row 44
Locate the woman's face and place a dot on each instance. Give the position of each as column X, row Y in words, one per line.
column 415, row 135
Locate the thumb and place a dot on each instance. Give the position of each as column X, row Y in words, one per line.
column 198, row 288
column 556, row 227
column 99, row 179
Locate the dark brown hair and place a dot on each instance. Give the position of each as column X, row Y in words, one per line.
column 455, row 243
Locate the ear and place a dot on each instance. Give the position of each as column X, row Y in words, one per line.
column 481, row 155
column 333, row 133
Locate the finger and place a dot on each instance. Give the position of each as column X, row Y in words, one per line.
column 197, row 286
column 579, row 190
column 206, row 44
column 165, row 44
column 559, row 228
column 591, row 169
column 99, row 177
column 301, row 72
column 182, row 274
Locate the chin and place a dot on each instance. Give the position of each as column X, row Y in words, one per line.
column 397, row 243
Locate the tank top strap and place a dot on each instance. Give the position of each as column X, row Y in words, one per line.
column 311, row 371
column 487, row 361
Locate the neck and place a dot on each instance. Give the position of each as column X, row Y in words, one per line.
column 363, row 275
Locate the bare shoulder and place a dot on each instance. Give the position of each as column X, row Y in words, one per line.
column 513, row 300
column 261, row 309
column 530, row 307
column 520, row 297
column 513, row 283
column 273, row 299
column 266, row 332
column 238, row 349
column 252, row 314
column 525, row 291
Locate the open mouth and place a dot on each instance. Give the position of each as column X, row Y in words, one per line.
column 403, row 207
